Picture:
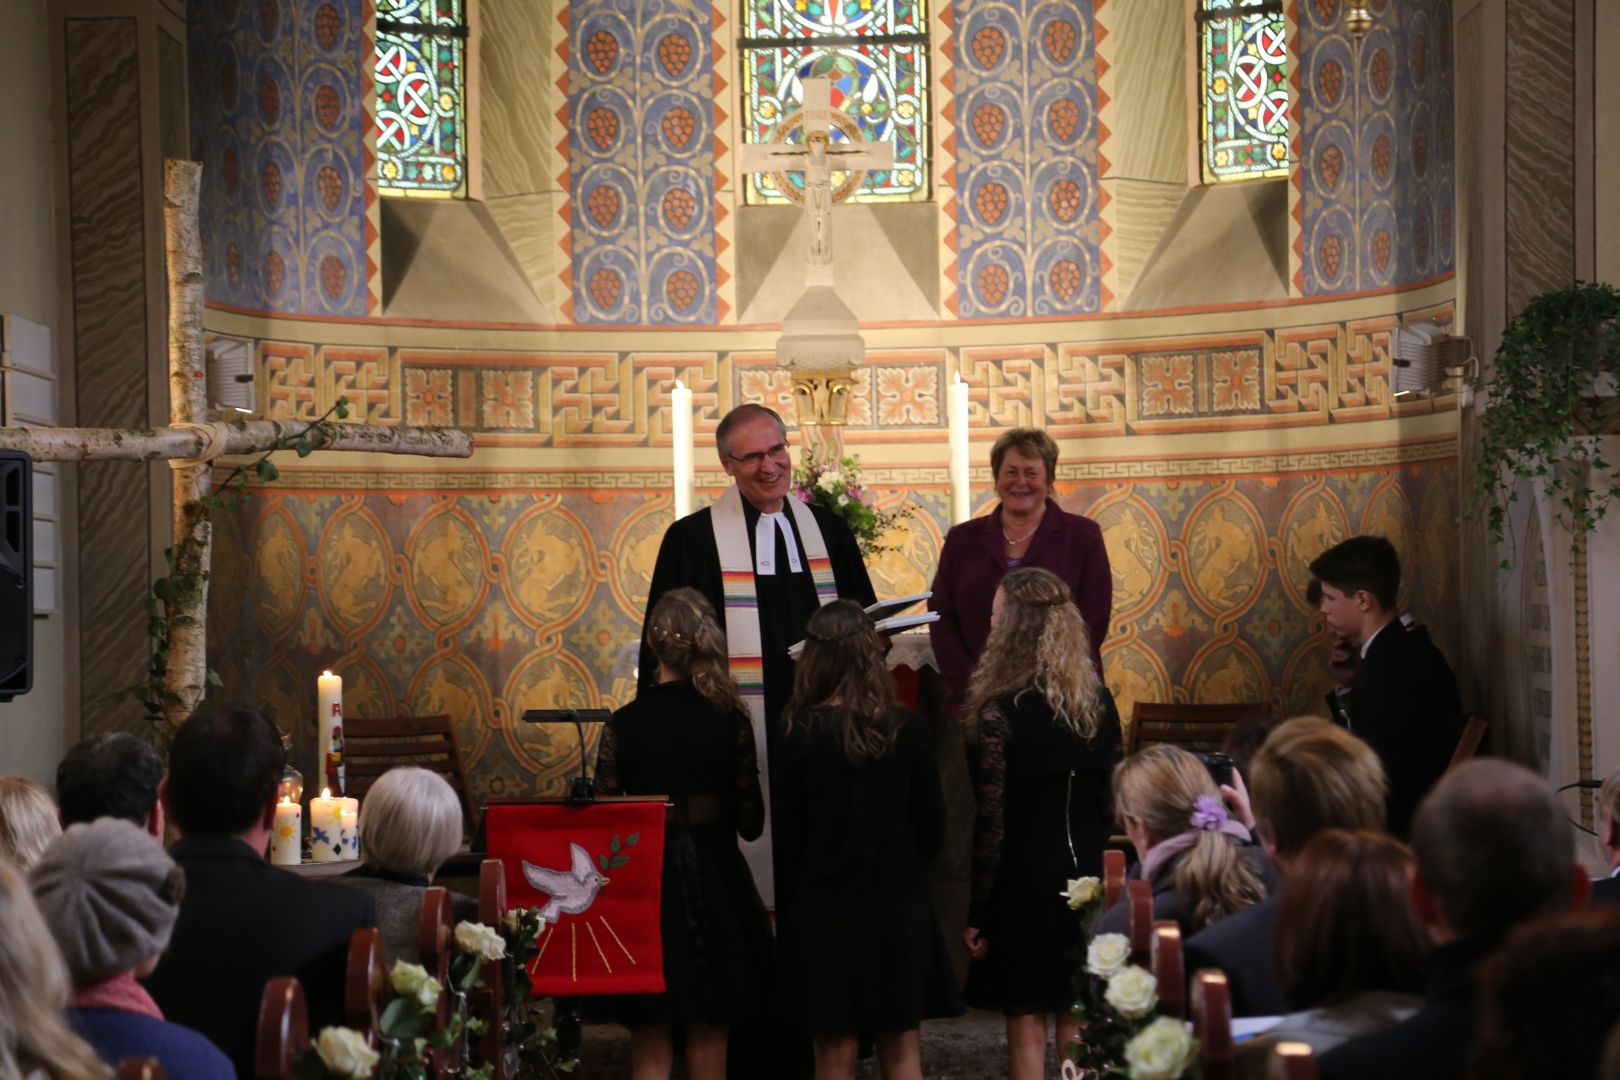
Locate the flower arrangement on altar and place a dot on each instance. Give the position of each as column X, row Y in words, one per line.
column 837, row 487
column 1117, row 1002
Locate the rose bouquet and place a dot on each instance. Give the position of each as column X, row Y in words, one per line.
column 837, row 487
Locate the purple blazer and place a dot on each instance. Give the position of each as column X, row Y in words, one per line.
column 972, row 564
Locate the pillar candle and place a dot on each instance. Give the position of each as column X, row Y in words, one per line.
column 349, row 827
column 325, row 828
column 680, row 408
column 286, row 838
column 956, row 415
column 329, row 723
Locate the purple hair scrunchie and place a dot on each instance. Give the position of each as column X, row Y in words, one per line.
column 1208, row 813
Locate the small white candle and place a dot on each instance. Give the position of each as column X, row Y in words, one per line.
column 680, row 411
column 329, row 724
column 349, row 827
column 287, row 834
column 325, row 828
column 956, row 416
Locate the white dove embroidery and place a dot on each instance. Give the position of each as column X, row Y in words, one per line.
column 572, row 891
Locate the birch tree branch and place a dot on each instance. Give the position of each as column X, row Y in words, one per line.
column 241, row 437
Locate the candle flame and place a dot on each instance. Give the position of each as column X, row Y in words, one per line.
column 286, row 800
column 328, row 674
column 959, row 378
column 326, row 793
column 679, row 385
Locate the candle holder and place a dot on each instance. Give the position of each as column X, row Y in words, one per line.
column 291, row 787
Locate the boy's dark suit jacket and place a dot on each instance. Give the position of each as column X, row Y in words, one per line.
column 1606, row 891
column 1240, row 945
column 1404, row 703
column 242, row 923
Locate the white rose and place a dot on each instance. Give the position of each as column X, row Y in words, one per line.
column 512, row 920
column 1082, row 891
column 1133, row 992
column 1107, row 953
column 1161, row 1051
column 413, row 981
column 843, row 500
column 829, row 480
column 344, row 1051
column 480, row 940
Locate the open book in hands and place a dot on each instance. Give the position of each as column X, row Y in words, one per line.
column 886, row 617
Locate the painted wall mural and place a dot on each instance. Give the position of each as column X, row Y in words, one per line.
column 1377, row 205
column 279, row 111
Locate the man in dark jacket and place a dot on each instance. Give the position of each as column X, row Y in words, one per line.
column 1606, row 890
column 243, row 922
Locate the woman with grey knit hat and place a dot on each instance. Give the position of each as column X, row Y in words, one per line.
column 110, row 895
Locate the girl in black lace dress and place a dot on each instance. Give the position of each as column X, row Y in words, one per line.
column 859, row 950
column 1047, row 735
column 690, row 738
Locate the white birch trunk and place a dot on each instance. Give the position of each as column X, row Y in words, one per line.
column 241, row 437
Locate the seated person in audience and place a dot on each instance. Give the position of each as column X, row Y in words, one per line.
column 1199, row 860
column 243, row 922
column 1308, row 776
column 410, row 823
column 28, row 821
column 36, row 1042
column 1493, row 851
column 1606, row 890
column 1402, row 698
column 1349, row 949
column 110, row 895
column 112, row 775
column 1549, row 998
column 1244, row 739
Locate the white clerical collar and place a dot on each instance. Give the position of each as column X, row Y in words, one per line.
column 765, row 544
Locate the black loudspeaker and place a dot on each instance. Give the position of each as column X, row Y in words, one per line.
column 16, row 574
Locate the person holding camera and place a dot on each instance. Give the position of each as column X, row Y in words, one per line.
column 1200, row 860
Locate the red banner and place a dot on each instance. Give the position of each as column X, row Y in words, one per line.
column 595, row 873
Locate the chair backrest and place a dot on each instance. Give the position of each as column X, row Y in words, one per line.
column 1212, row 1023
column 146, row 1068
column 1139, row 895
column 283, row 1029
column 489, row 1004
column 363, row 982
column 1113, row 877
column 1167, row 968
column 1473, row 733
column 1292, row 1061
column 1191, row 727
column 373, row 745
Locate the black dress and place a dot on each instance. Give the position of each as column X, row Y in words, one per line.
column 858, row 948
column 1043, row 818
column 716, row 939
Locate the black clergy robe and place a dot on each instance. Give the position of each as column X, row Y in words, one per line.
column 689, row 557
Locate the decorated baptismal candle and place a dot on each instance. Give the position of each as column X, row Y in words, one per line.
column 349, row 827
column 286, row 837
column 326, row 828
column 329, row 725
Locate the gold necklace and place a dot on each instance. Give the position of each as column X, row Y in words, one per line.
column 1030, row 532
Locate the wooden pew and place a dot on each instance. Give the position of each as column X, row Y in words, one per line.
column 1113, row 877
column 283, row 1029
column 145, row 1068
column 1167, row 968
column 1292, row 1061
column 489, row 1004
column 434, row 943
column 1139, row 895
column 1212, row 1024
column 364, row 979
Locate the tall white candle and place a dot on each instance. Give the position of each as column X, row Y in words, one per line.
column 680, row 410
column 325, row 828
column 329, row 725
column 956, row 416
column 286, row 837
column 349, row 827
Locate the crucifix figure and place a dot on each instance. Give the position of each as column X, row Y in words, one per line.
column 816, row 156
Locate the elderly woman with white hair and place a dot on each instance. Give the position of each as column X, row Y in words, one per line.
column 410, row 823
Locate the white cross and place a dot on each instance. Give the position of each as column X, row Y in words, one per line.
column 816, row 157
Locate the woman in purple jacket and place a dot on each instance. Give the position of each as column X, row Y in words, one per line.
column 1026, row 529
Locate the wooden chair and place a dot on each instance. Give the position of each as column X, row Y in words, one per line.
column 283, row 1029
column 1113, row 877
column 1473, row 733
column 363, row 982
column 372, row 746
column 1292, row 1061
column 489, row 1004
column 1191, row 727
column 146, row 1068
column 1139, row 895
column 433, row 942
column 1167, row 968
column 1212, row 1024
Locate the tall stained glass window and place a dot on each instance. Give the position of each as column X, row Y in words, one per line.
column 421, row 76
column 1243, row 45
column 875, row 52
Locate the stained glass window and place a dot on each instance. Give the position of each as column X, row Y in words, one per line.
column 875, row 52
column 421, row 77
column 1243, row 45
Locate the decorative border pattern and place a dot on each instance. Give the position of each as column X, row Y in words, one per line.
column 943, row 57
column 1107, row 246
